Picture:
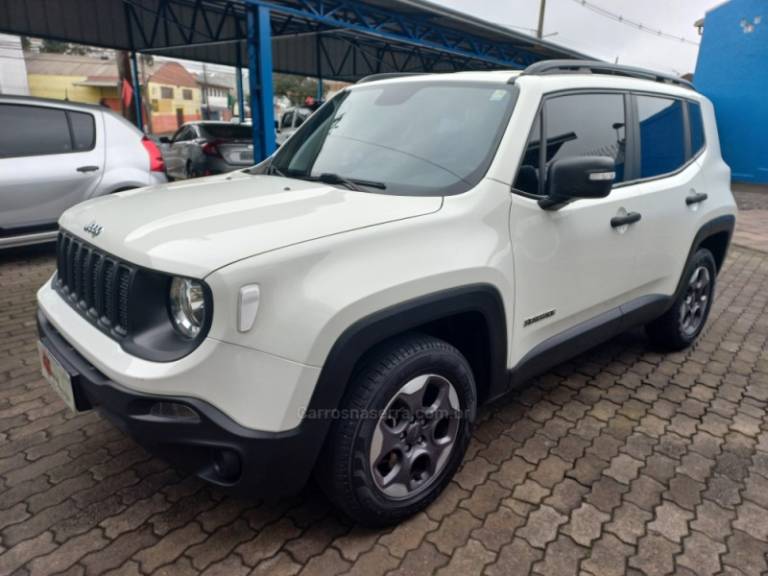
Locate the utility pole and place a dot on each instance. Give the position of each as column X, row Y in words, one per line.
column 540, row 29
column 206, row 110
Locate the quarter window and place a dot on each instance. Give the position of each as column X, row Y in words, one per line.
column 662, row 140
column 33, row 131
column 697, row 127
column 528, row 174
column 83, row 131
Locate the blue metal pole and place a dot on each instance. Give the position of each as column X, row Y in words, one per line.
column 260, row 81
column 136, row 91
column 319, row 67
column 239, row 76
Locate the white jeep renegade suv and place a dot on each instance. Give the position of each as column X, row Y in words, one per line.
column 420, row 246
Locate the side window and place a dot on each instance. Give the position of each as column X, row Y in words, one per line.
column 83, row 131
column 697, row 127
column 662, row 138
column 33, row 131
column 287, row 120
column 586, row 125
column 528, row 174
column 181, row 134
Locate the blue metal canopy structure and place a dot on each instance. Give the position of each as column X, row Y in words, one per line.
column 332, row 39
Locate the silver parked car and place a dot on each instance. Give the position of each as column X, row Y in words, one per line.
column 290, row 121
column 208, row 147
column 55, row 154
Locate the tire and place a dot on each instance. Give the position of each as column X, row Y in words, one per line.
column 358, row 472
column 679, row 326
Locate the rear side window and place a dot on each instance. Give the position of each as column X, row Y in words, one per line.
column 697, row 127
column 228, row 131
column 83, row 131
column 662, row 136
column 33, row 131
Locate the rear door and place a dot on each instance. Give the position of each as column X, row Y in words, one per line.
column 50, row 160
column 571, row 264
column 666, row 179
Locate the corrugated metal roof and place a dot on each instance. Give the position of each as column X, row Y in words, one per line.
column 105, row 23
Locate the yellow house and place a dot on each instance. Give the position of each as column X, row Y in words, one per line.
column 174, row 96
column 76, row 78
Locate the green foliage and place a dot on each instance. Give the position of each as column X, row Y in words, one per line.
column 297, row 88
column 54, row 47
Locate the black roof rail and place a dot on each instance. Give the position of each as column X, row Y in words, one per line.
column 388, row 75
column 596, row 67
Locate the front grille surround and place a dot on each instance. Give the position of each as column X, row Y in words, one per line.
column 127, row 302
column 95, row 283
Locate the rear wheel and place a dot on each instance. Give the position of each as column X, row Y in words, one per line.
column 679, row 327
column 404, row 427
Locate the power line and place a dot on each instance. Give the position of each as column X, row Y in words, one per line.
column 633, row 23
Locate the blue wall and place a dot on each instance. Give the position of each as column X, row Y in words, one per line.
column 732, row 71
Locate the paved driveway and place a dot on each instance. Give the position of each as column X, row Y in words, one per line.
column 622, row 461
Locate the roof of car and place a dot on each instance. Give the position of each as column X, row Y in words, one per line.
column 601, row 73
column 33, row 100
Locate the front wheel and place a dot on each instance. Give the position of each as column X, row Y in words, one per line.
column 403, row 430
column 679, row 327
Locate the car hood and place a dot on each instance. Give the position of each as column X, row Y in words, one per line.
column 194, row 227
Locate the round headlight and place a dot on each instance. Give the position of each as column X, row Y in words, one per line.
column 187, row 301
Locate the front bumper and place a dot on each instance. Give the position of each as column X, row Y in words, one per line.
column 190, row 433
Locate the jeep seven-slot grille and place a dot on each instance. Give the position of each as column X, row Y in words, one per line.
column 94, row 283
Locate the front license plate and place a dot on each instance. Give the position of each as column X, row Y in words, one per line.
column 56, row 376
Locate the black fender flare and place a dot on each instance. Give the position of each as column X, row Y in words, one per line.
column 377, row 327
column 725, row 223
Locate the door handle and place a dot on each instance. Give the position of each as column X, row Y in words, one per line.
column 630, row 218
column 695, row 198
column 87, row 168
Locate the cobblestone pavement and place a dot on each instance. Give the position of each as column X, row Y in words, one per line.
column 752, row 229
column 622, row 461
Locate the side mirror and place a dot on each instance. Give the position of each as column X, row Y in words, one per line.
column 164, row 140
column 578, row 177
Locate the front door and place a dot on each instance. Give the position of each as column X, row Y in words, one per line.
column 571, row 265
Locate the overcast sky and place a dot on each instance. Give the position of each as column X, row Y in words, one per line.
column 586, row 31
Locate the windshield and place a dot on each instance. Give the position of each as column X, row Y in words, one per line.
column 228, row 131
column 416, row 138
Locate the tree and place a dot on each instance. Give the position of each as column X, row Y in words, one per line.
column 297, row 88
column 54, row 47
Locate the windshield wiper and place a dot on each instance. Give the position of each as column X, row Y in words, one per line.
column 351, row 183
